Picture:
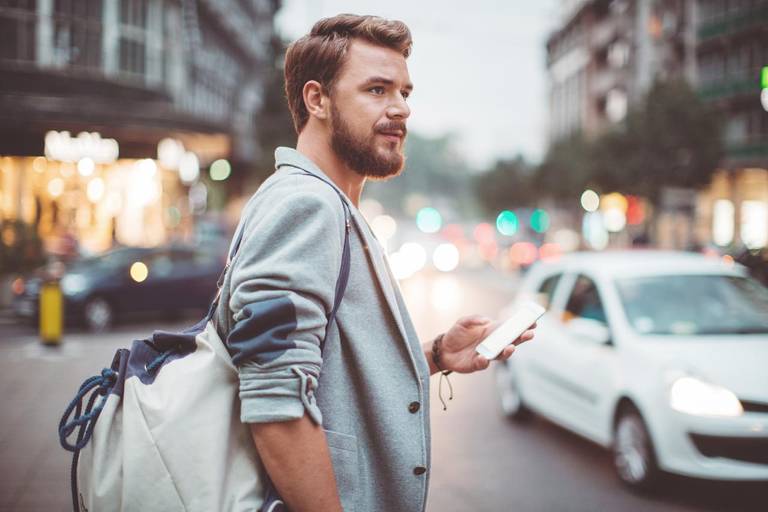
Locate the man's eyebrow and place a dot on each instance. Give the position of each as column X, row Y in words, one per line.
column 387, row 81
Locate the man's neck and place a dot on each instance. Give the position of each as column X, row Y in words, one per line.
column 321, row 154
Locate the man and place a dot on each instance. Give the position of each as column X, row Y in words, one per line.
column 356, row 434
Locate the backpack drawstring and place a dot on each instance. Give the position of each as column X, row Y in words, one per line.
column 83, row 421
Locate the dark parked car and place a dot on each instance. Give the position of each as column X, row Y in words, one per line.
column 96, row 290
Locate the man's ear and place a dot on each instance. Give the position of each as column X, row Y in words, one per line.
column 315, row 99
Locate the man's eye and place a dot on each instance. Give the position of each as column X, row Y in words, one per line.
column 377, row 90
column 405, row 94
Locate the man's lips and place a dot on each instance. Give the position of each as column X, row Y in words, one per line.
column 394, row 135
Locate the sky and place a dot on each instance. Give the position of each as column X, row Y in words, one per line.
column 478, row 68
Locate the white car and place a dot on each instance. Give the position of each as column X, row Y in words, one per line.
column 660, row 356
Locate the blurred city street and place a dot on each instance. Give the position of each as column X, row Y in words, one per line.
column 605, row 160
column 480, row 460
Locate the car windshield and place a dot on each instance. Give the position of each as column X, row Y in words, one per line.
column 695, row 304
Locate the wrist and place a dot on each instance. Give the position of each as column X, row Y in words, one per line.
column 437, row 355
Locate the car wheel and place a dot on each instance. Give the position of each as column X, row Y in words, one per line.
column 510, row 399
column 634, row 459
column 98, row 314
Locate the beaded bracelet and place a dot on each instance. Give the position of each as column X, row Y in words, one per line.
column 443, row 373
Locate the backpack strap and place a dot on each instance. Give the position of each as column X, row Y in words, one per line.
column 341, row 281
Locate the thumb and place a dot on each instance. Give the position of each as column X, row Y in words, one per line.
column 473, row 321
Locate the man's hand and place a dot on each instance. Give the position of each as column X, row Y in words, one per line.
column 457, row 350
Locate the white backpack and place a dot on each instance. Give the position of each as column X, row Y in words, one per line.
column 169, row 435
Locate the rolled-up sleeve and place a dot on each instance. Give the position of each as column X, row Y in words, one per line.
column 282, row 288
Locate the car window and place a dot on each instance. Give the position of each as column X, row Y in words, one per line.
column 159, row 264
column 695, row 304
column 584, row 301
column 547, row 290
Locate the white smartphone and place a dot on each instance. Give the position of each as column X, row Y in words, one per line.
column 510, row 330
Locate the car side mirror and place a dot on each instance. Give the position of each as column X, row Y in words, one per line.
column 589, row 330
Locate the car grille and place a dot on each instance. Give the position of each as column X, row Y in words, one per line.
column 745, row 449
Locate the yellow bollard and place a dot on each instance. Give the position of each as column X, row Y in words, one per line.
column 51, row 313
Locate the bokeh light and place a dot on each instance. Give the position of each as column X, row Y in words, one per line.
column 139, row 272
column 590, row 201
column 384, row 227
column 415, row 255
column 484, row 233
column 523, row 253
column 446, row 257
column 169, row 152
column 56, row 187
column 95, row 190
column 86, row 166
column 540, row 221
column 550, row 252
column 429, row 220
column 189, row 168
column 507, row 223
column 220, row 170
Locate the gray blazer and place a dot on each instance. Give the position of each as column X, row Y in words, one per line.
column 370, row 387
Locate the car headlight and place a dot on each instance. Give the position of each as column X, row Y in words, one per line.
column 72, row 284
column 693, row 396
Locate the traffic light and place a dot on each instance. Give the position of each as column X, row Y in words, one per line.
column 540, row 220
column 507, row 223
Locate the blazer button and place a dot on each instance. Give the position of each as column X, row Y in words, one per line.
column 414, row 407
column 419, row 470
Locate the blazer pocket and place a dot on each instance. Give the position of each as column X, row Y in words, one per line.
column 343, row 448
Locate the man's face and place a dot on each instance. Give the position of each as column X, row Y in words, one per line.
column 369, row 110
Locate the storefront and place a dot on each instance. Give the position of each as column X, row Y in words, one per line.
column 733, row 210
column 82, row 196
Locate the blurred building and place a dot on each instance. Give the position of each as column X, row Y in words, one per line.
column 732, row 50
column 606, row 54
column 110, row 110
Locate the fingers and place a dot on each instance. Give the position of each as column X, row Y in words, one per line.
column 526, row 336
column 506, row 353
column 473, row 321
column 480, row 363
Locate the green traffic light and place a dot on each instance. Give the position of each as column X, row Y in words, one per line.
column 540, row 221
column 764, row 77
column 507, row 223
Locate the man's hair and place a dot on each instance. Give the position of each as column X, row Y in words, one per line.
column 320, row 54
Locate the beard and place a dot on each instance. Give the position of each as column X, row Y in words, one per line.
column 361, row 154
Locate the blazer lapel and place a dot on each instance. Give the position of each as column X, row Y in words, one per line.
column 291, row 157
column 381, row 268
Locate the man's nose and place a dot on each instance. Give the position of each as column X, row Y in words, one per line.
column 398, row 108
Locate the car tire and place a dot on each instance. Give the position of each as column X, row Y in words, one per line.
column 507, row 389
column 98, row 314
column 634, row 458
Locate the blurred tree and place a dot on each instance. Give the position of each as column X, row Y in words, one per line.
column 566, row 169
column 508, row 185
column 673, row 139
column 433, row 169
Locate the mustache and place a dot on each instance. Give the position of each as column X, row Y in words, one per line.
column 391, row 126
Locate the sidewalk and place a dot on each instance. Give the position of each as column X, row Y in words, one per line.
column 38, row 382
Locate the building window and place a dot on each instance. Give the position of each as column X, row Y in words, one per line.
column 133, row 36
column 736, row 129
column 77, row 33
column 17, row 30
